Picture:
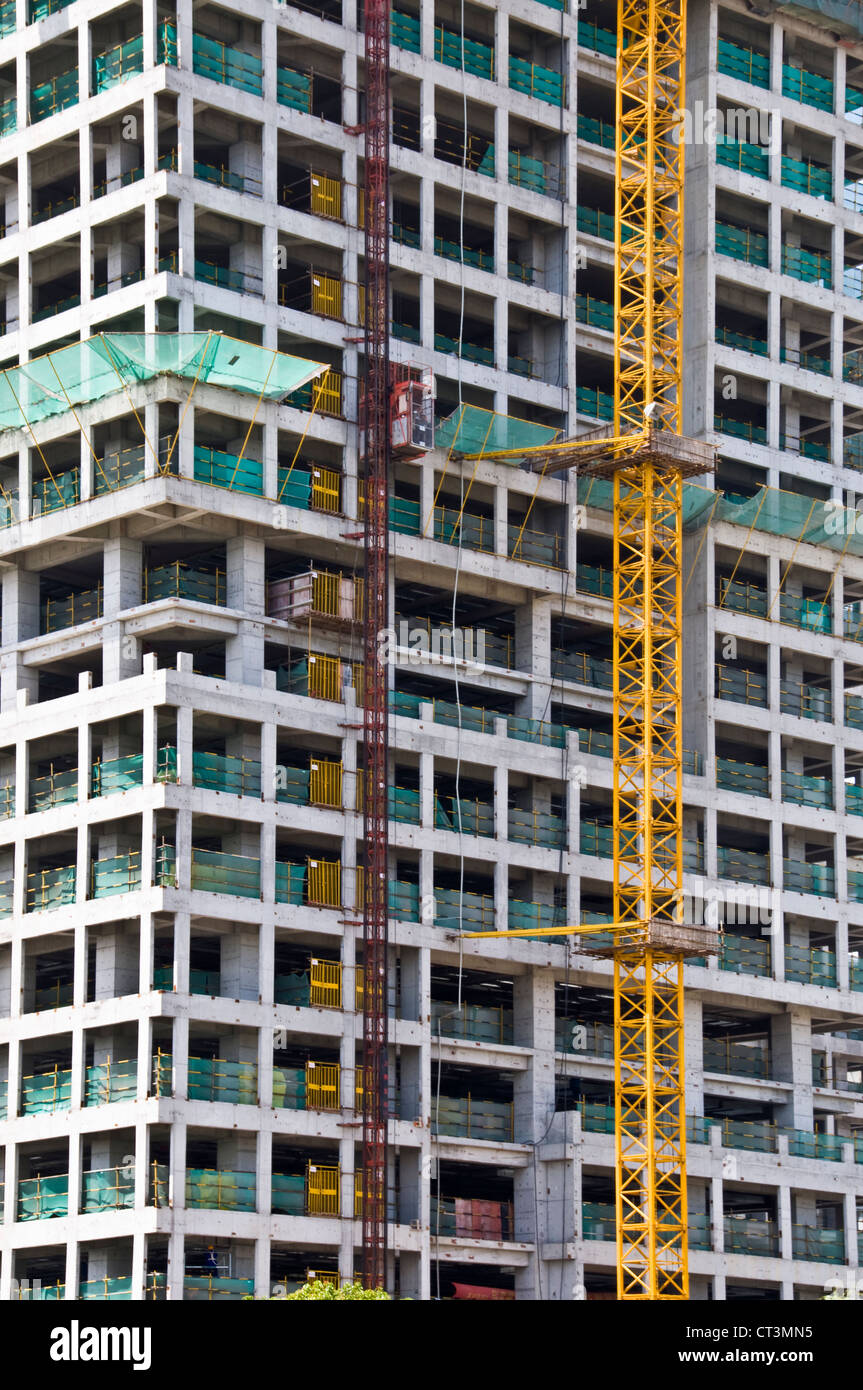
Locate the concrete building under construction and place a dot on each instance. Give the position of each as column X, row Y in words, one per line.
column 181, row 668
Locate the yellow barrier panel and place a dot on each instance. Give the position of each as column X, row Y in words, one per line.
column 359, row 681
column 337, row 595
column 325, row 882
column 322, row 1086
column 327, row 484
column 326, row 296
column 325, row 982
column 325, row 677
column 326, row 196
column 323, row 1187
column 359, row 988
column 330, row 393
column 325, row 784
column 326, row 593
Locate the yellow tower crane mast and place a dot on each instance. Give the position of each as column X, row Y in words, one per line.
column 647, row 458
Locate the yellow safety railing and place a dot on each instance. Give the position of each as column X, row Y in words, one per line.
column 358, row 1193
column 325, row 783
column 56, row 785
column 51, row 1092
column 748, row 686
column 159, row 1185
column 325, row 984
column 163, row 1073
column 326, row 295
column 323, row 1277
column 323, row 1190
column 178, row 580
column 327, row 482
column 325, row 882
column 24, row 1293
column 337, row 595
column 323, row 1089
column 329, row 393
column 73, row 609
column 51, row 888
column 325, row 677
column 326, row 196
column 359, row 988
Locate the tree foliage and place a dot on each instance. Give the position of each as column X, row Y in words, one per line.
column 318, row 1290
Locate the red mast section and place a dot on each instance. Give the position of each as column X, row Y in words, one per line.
column 376, row 432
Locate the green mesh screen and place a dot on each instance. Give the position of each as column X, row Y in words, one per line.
column 771, row 509
column 471, row 430
column 85, row 372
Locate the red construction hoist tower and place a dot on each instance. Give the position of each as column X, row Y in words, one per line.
column 376, row 431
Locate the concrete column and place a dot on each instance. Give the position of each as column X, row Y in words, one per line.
column 239, row 963
column 791, row 1046
column 784, row 1209
column 246, row 593
column 533, row 653
column 20, row 593
column 117, row 961
column 181, row 952
column 693, row 1054
column 533, row 1026
column 849, row 1217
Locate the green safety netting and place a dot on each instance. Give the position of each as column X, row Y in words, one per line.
column 771, row 509
column 109, row 362
column 107, row 1189
column 471, row 430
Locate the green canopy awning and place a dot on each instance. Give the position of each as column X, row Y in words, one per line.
column 472, row 430
column 74, row 376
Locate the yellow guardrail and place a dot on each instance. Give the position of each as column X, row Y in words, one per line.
column 337, row 595
column 323, row 1090
column 325, row 677
column 325, row 882
column 325, row 783
column 326, row 196
column 327, row 482
column 358, row 1193
column 323, row 1190
column 329, row 394
column 326, row 295
column 325, row 984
